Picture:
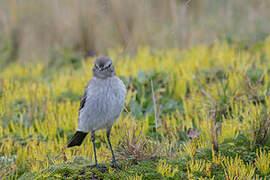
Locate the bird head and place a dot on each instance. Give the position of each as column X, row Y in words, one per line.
column 103, row 68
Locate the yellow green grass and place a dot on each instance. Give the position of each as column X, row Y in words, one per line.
column 223, row 86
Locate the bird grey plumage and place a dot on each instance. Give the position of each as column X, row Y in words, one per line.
column 101, row 105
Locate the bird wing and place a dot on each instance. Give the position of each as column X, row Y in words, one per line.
column 83, row 99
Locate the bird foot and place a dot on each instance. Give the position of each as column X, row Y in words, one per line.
column 115, row 165
column 101, row 168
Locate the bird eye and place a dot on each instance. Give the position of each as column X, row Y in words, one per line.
column 109, row 66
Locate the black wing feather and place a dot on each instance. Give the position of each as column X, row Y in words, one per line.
column 83, row 99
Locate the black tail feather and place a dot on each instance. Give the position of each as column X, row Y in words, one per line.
column 77, row 139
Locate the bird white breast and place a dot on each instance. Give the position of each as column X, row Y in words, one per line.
column 104, row 103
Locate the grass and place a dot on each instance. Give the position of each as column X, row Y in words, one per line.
column 201, row 113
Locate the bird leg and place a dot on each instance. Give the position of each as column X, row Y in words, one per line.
column 101, row 168
column 114, row 163
column 93, row 138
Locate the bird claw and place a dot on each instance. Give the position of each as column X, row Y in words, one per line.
column 115, row 165
column 101, row 168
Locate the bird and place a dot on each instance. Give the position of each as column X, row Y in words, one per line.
column 101, row 105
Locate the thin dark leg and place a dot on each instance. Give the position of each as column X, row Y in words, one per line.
column 101, row 168
column 93, row 138
column 113, row 157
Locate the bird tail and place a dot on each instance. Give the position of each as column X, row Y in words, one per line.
column 77, row 139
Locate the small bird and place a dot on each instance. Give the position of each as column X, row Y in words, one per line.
column 101, row 105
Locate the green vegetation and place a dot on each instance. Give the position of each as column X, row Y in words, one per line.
column 201, row 113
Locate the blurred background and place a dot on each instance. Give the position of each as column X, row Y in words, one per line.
column 41, row 30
